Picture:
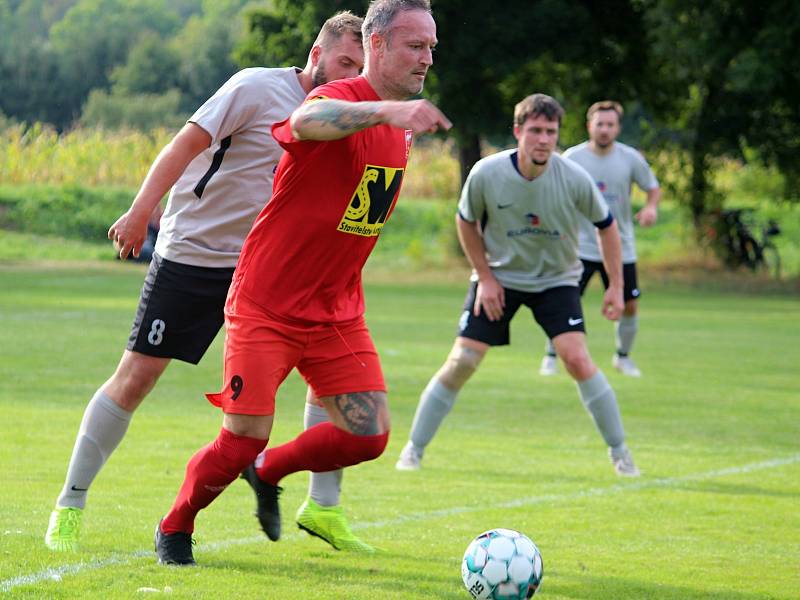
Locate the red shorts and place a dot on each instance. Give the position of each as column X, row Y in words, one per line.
column 261, row 351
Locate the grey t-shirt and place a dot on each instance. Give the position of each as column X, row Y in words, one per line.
column 530, row 228
column 214, row 203
column 614, row 174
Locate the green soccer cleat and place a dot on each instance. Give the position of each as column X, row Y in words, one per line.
column 328, row 523
column 62, row 532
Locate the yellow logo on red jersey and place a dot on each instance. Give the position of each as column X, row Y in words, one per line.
column 371, row 201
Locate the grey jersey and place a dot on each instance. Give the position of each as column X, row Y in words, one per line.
column 530, row 228
column 214, row 203
column 614, row 174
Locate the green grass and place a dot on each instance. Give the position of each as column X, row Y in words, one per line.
column 714, row 426
column 17, row 247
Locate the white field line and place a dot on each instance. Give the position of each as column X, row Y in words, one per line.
column 57, row 573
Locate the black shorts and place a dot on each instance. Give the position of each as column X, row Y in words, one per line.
column 557, row 311
column 631, row 291
column 180, row 310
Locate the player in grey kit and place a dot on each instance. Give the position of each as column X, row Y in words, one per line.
column 614, row 167
column 518, row 221
column 220, row 168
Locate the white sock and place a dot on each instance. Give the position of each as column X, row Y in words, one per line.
column 324, row 488
column 435, row 403
column 103, row 426
column 549, row 348
column 601, row 402
column 626, row 329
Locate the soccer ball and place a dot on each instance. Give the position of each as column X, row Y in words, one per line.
column 502, row 564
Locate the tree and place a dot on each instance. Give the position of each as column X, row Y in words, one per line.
column 143, row 112
column 96, row 35
column 152, row 68
column 482, row 52
column 731, row 72
column 29, row 77
column 205, row 46
column 282, row 34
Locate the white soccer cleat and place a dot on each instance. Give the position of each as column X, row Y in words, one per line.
column 625, row 365
column 549, row 365
column 409, row 459
column 623, row 464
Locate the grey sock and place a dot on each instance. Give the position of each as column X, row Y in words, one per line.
column 434, row 404
column 601, row 402
column 324, row 488
column 103, row 427
column 549, row 348
column 626, row 329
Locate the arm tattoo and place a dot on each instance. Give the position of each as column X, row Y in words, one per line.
column 360, row 411
column 343, row 116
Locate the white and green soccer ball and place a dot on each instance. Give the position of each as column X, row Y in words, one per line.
column 502, row 564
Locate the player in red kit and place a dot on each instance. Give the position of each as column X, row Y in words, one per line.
column 296, row 299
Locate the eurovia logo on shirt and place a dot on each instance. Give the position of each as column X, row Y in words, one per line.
column 534, row 228
column 371, row 201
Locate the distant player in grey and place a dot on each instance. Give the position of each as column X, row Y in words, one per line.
column 615, row 167
column 220, row 169
column 518, row 221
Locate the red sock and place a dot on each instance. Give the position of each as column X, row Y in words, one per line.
column 208, row 473
column 323, row 447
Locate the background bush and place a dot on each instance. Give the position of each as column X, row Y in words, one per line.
column 70, row 211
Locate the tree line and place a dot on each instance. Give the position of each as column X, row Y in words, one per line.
column 718, row 78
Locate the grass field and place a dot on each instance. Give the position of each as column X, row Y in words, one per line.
column 714, row 425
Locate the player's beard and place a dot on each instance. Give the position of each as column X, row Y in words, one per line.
column 319, row 76
column 540, row 163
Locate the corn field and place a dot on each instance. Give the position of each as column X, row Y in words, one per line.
column 98, row 158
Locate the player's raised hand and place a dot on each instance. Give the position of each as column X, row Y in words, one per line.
column 613, row 303
column 129, row 233
column 421, row 116
column 491, row 296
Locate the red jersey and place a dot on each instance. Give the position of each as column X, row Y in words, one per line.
column 302, row 259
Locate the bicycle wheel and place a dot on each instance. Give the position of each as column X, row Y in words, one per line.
column 771, row 260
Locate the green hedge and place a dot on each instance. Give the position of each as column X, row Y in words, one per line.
column 420, row 233
column 68, row 211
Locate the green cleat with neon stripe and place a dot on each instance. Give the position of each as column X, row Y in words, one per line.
column 62, row 532
column 328, row 523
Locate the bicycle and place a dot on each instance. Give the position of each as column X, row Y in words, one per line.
column 738, row 246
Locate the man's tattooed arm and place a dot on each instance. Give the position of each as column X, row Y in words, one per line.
column 333, row 119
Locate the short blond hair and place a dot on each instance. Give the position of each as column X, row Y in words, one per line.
column 338, row 25
column 605, row 105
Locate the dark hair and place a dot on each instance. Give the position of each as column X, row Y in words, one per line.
column 605, row 105
column 537, row 105
column 381, row 13
column 338, row 25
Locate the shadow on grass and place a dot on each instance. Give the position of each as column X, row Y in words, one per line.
column 337, row 573
column 585, row 587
